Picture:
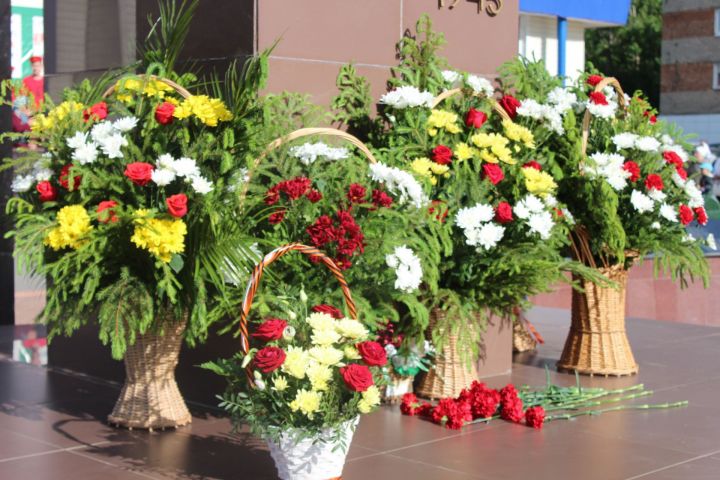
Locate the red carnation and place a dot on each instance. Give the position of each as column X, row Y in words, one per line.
column 272, row 195
column 408, row 405
column 356, row 193
column 107, row 206
column 598, row 98
column 63, row 179
column 593, row 80
column 329, row 309
column 654, row 181
column 295, row 188
column 357, row 378
column 381, row 199
column 510, row 104
column 534, row 417
column 46, row 191
column 633, row 169
column 271, row 329
column 475, row 118
column 484, row 401
column 533, row 164
column 442, row 155
column 164, row 113
column 701, row 215
column 512, row 410
column 508, row 393
column 313, row 195
column 269, row 359
column 492, row 172
column 372, row 353
column 140, row 173
column 276, row 217
column 686, row 215
column 322, row 231
column 342, row 262
column 672, row 157
column 503, row 213
column 682, row 173
column 99, row 111
column 177, row 205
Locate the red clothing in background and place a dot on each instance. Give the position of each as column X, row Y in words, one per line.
column 36, row 86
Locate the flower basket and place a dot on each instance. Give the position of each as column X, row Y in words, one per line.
column 399, row 385
column 523, row 341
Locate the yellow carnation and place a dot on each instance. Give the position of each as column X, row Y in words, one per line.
column 351, row 329
column 296, row 362
column 518, row 133
column 537, row 182
column 370, row 399
column 73, row 226
column 325, row 355
column 161, row 237
column 308, row 402
column 463, row 151
column 319, row 376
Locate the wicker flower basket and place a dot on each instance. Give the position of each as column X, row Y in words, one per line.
column 397, row 387
column 150, row 397
column 523, row 341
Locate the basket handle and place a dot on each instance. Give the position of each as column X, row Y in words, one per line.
column 256, row 275
column 586, row 118
column 455, row 91
column 178, row 88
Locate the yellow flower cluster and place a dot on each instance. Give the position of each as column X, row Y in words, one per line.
column 463, row 151
column 442, row 119
column 493, row 147
column 427, row 168
column 208, row 110
column 151, row 88
column 308, row 402
column 161, row 237
column 370, row 398
column 518, row 133
column 539, row 183
column 44, row 122
column 73, row 226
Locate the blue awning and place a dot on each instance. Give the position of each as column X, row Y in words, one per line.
column 604, row 11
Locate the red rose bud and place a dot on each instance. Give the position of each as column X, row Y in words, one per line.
column 442, row 155
column 46, row 191
column 372, row 353
column 534, row 417
column 381, row 199
column 533, row 164
column 701, row 215
column 140, row 173
column 357, row 378
column 106, row 211
column 269, row 359
column 277, row 217
column 356, row 193
column 633, row 169
column 63, row 179
column 593, row 80
column 271, row 329
column 598, row 98
column 475, row 118
column 654, row 181
column 492, row 172
column 314, row 195
column 503, row 213
column 99, row 111
column 510, row 104
column 164, row 113
column 177, row 205
column 686, row 215
column 329, row 309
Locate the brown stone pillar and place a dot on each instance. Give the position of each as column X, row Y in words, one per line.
column 7, row 265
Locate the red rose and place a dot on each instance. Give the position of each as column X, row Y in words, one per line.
column 269, row 359
column 99, row 111
column 654, row 181
column 475, row 118
column 598, row 98
column 140, row 173
column 686, row 215
column 492, row 172
column 593, row 80
column 313, row 195
column 107, row 206
column 329, row 309
column 633, row 169
column 442, row 155
column 63, row 180
column 381, row 199
column 164, row 113
column 272, row 195
column 372, row 353
column 503, row 213
column 533, row 164
column 47, row 191
column 510, row 104
column 356, row 193
column 534, row 417
column 701, row 215
column 177, row 205
column 276, row 217
column 357, row 377
column 270, row 329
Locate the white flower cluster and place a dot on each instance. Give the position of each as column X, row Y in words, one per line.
column 169, row 168
column 604, row 111
column 452, row 77
column 480, row 85
column 610, row 167
column 408, row 269
column 400, row 182
column 629, row 140
column 532, row 210
column 406, row 97
column 309, row 152
column 641, row 202
column 106, row 137
column 562, row 99
column 559, row 102
column 476, row 223
column 40, row 172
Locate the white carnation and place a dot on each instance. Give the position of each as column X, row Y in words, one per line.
column 640, row 201
column 407, row 96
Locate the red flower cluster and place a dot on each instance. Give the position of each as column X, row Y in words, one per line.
column 356, row 193
column 510, row 104
column 512, row 406
column 99, row 111
column 345, row 232
column 381, row 199
column 329, row 309
column 598, row 98
column 593, row 80
column 277, row 217
column 442, row 155
column 387, row 336
column 654, row 181
column 492, row 172
column 701, row 215
column 674, row 159
column 651, row 118
column 634, row 170
column 534, row 417
column 294, row 189
column 686, row 215
column 271, row 329
column 441, row 214
column 483, row 400
column 411, row 406
column 314, row 195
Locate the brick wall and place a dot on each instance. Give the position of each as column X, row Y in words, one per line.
column 697, row 23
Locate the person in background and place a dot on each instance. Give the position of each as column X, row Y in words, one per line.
column 35, row 82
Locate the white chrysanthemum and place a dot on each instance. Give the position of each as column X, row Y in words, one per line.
column 624, row 140
column 407, row 96
column 201, row 185
column 656, row 226
column 309, row 152
column 602, row 111
column 452, row 77
column 710, row 240
column 695, row 194
column 689, row 238
column 667, row 139
column 657, row 195
column 531, row 108
column 351, row 329
column 86, row 153
column 125, row 124
column 185, row 167
column 42, row 174
column 326, row 355
column 22, row 183
column 641, row 202
column 77, row 140
column 472, row 217
column 400, row 182
column 162, row 176
column 668, row 213
column 550, row 201
column 677, row 180
column 480, row 85
column 111, row 145
column 325, row 337
column 487, row 236
column 102, row 130
column 527, row 206
column 562, row 99
column 647, row 144
column 321, row 321
column 553, row 119
column 541, row 223
column 166, row 161
column 408, row 269
column 610, row 167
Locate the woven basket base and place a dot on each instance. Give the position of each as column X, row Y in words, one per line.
column 393, row 393
column 523, row 341
column 150, row 398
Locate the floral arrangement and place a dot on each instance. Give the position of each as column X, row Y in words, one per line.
column 405, row 359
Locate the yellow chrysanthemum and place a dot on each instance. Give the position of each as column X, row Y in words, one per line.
column 296, row 362
column 319, row 376
column 161, row 237
column 518, row 133
column 438, row 169
column 326, row 355
column 73, row 226
column 422, row 166
column 351, row 353
column 60, row 112
column 321, row 321
column 351, row 329
column 442, row 119
column 539, row 183
column 494, row 147
column 488, row 157
column 370, row 399
column 308, row 402
column 463, row 151
column 503, row 153
column 325, row 336
column 280, row 384
column 208, row 110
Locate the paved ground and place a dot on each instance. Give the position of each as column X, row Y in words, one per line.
column 52, row 427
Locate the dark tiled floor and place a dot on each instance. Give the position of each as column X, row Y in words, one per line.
column 52, row 427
